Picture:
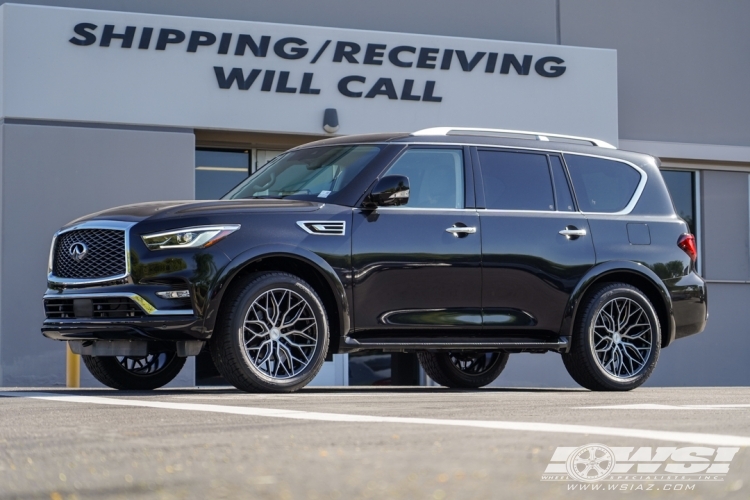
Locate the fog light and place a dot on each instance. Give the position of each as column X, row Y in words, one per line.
column 174, row 294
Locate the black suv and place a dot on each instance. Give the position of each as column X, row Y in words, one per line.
column 461, row 245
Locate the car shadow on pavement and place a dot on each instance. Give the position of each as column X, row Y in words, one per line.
column 320, row 391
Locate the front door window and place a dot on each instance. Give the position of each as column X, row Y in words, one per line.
column 436, row 177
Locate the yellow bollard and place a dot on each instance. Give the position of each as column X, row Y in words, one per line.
column 72, row 368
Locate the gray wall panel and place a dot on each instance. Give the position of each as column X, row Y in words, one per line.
column 726, row 243
column 683, row 65
column 51, row 175
column 528, row 21
column 2, row 182
column 718, row 356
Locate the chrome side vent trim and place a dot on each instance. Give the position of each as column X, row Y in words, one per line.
column 323, row 227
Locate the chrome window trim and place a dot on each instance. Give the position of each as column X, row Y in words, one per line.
column 91, row 224
column 137, row 299
column 636, row 194
column 546, row 212
column 413, row 209
column 625, row 211
column 628, row 208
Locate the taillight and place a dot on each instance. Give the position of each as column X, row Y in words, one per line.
column 687, row 243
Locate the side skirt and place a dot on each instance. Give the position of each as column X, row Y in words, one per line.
column 406, row 344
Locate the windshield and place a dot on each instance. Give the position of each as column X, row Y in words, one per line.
column 312, row 173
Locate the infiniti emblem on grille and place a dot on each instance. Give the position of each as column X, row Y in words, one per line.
column 78, row 250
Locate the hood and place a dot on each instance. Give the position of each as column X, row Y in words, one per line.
column 165, row 209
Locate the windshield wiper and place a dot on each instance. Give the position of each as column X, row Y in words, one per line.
column 267, row 197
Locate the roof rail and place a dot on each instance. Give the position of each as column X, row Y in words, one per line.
column 539, row 136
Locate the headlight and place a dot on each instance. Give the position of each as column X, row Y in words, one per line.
column 189, row 237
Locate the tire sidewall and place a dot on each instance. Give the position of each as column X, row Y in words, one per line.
column 246, row 298
column 109, row 371
column 472, row 380
column 598, row 303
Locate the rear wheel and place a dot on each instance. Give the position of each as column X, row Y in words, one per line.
column 463, row 369
column 135, row 373
column 616, row 339
column 271, row 334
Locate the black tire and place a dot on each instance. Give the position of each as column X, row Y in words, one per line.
column 142, row 373
column 600, row 372
column 480, row 368
column 228, row 343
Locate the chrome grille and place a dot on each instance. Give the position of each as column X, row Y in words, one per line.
column 105, row 257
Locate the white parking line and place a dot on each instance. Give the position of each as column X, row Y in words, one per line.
column 649, row 406
column 669, row 436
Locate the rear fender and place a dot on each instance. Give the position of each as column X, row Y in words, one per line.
column 598, row 274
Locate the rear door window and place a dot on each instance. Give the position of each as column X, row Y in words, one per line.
column 602, row 185
column 516, row 181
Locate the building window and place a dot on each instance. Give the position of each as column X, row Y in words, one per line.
column 218, row 171
column 681, row 185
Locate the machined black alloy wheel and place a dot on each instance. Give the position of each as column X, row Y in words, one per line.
column 135, row 372
column 272, row 334
column 463, row 369
column 616, row 341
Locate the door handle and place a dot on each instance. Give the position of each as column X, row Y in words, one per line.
column 571, row 232
column 458, row 230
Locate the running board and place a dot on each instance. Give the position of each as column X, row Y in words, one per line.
column 453, row 343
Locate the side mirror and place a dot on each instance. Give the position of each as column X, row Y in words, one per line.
column 390, row 191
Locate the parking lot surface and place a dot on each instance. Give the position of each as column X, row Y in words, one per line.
column 420, row 442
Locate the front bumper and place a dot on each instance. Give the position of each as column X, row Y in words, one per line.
column 118, row 313
column 165, row 328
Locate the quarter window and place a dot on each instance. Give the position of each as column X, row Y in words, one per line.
column 436, row 177
column 602, row 185
column 516, row 181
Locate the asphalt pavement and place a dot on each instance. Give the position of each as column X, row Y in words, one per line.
column 348, row 443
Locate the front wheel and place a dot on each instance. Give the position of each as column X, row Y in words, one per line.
column 271, row 334
column 616, row 339
column 463, row 369
column 135, row 373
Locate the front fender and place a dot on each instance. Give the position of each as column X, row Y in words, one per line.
column 225, row 276
column 611, row 267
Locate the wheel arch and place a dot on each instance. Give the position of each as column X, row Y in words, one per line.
column 307, row 265
column 633, row 274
